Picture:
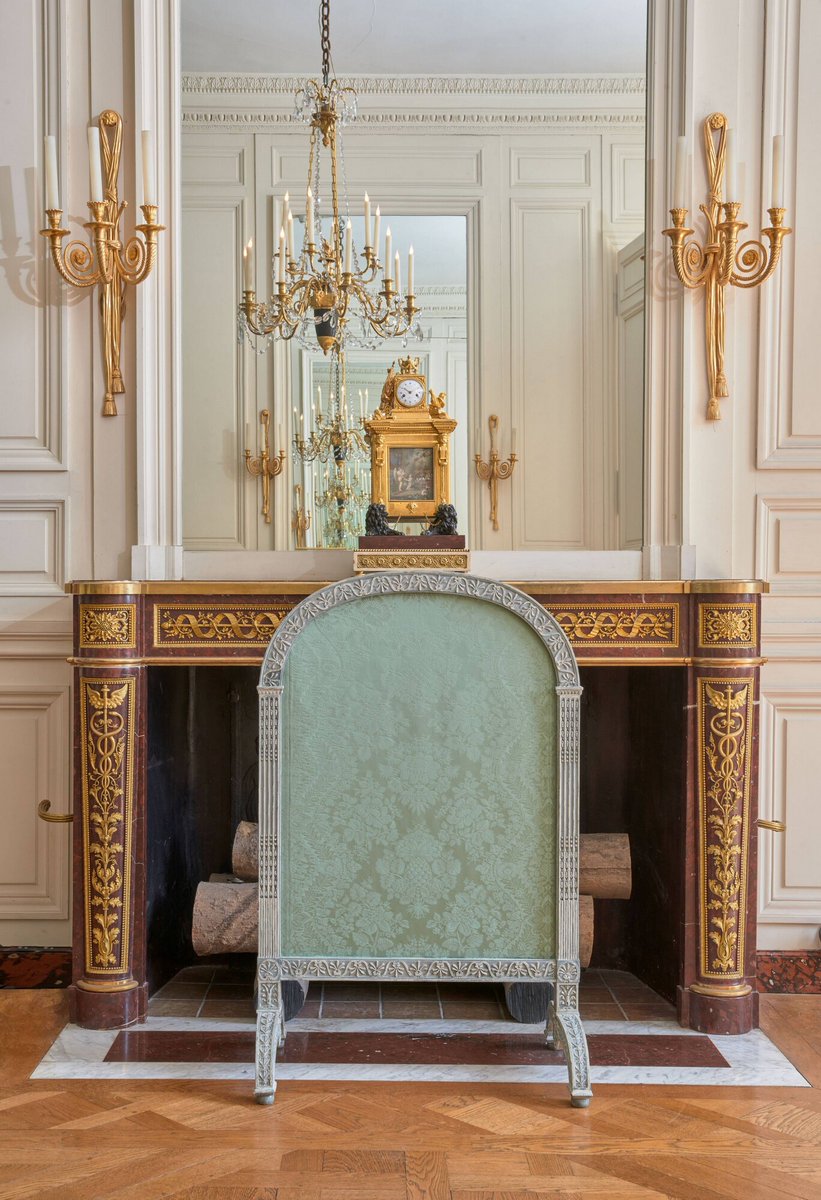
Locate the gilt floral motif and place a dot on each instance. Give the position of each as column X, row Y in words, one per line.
column 103, row 625
column 727, row 625
column 725, row 708
column 108, row 734
column 640, row 625
column 250, row 626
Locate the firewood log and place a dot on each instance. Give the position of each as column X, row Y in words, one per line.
column 245, row 853
column 225, row 918
column 604, row 861
column 604, row 866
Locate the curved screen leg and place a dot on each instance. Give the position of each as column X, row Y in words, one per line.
column 269, row 1036
column 569, row 1030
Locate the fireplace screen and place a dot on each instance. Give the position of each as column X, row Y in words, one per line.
column 416, row 815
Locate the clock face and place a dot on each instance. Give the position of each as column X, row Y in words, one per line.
column 410, row 392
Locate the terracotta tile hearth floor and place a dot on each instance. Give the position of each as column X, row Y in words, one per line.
column 201, row 1026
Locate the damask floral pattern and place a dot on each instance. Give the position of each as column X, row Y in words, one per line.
column 419, row 783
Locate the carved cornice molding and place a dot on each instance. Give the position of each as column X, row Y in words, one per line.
column 247, row 101
column 203, row 119
column 202, row 82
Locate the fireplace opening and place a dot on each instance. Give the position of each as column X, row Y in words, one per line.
column 202, row 781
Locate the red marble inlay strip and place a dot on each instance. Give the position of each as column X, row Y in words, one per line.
column 623, row 1050
column 789, row 971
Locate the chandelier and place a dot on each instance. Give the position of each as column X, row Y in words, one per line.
column 338, row 435
column 330, row 288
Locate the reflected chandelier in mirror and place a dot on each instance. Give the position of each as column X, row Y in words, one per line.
column 321, row 289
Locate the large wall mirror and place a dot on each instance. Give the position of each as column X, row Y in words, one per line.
column 509, row 151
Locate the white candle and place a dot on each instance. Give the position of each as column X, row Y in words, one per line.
column 52, row 187
column 410, row 272
column 248, row 266
column 149, row 182
column 309, row 216
column 281, row 259
column 291, row 254
column 248, row 435
column 95, row 165
column 398, row 274
column 366, row 399
column 778, row 171
column 361, row 404
column 730, row 167
column 376, row 225
column 277, row 221
column 388, row 246
column 368, row 241
column 678, row 180
column 348, row 248
column 280, row 443
column 319, row 400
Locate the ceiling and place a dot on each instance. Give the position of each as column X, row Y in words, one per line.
column 418, row 37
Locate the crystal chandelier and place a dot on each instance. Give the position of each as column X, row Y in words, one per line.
column 339, row 435
column 341, row 505
column 330, row 288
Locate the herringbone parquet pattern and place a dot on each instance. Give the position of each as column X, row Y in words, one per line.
column 86, row 1140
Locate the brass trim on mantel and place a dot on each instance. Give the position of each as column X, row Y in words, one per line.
column 290, row 587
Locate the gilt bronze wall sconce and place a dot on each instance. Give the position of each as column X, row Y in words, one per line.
column 265, row 467
column 720, row 260
column 107, row 260
column 495, row 469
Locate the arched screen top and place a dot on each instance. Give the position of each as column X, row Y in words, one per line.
column 410, row 582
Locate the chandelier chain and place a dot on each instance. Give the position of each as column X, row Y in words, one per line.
column 325, row 25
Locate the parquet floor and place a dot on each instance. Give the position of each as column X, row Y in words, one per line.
column 93, row 1140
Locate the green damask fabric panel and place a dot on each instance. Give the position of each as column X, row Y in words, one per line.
column 419, row 783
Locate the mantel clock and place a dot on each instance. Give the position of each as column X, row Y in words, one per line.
column 409, row 436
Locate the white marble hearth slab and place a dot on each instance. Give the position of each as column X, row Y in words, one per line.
column 753, row 1059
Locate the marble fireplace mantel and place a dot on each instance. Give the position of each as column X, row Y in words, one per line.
column 709, row 629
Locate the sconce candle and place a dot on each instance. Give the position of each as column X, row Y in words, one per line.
column 149, row 185
column 730, row 167
column 95, row 166
column 388, row 250
column 398, row 272
column 368, row 242
column 52, row 187
column 778, row 171
column 410, row 272
column 678, row 179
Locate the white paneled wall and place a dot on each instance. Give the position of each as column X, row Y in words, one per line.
column 747, row 493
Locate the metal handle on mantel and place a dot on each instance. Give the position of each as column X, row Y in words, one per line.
column 776, row 826
column 56, row 818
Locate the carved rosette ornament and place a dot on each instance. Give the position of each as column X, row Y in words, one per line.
column 107, row 767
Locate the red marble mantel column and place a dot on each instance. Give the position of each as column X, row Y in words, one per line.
column 109, row 988
column 719, row 970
